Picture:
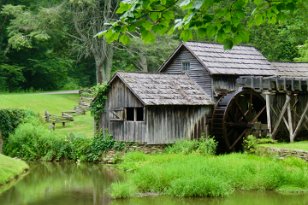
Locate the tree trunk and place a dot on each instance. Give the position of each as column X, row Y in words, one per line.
column 143, row 62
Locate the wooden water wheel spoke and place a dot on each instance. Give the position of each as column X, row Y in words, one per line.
column 238, row 139
column 242, row 109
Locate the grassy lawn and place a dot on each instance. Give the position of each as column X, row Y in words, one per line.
column 82, row 124
column 54, row 104
column 9, row 168
column 303, row 145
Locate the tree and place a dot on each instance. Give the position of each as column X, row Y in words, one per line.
column 226, row 21
column 89, row 17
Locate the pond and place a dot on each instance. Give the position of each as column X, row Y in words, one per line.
column 87, row 184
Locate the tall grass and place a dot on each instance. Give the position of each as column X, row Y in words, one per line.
column 195, row 175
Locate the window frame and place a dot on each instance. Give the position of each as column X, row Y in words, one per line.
column 135, row 114
column 186, row 65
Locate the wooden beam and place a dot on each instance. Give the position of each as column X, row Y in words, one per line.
column 284, row 109
column 299, row 123
column 268, row 113
column 290, row 123
column 284, row 119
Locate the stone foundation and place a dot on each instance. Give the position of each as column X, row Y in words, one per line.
column 282, row 152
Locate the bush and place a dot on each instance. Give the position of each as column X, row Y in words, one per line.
column 203, row 146
column 33, row 141
column 11, row 118
column 251, row 142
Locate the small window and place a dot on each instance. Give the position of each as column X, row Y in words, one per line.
column 130, row 114
column 139, row 111
column 186, row 65
column 134, row 114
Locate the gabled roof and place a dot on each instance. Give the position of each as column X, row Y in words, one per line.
column 163, row 89
column 291, row 69
column 240, row 60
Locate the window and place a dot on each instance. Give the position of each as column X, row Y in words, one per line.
column 130, row 114
column 134, row 114
column 139, row 112
column 186, row 65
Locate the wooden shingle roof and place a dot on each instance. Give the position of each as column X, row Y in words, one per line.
column 291, row 69
column 240, row 60
column 164, row 89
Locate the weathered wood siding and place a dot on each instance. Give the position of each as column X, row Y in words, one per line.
column 224, row 83
column 120, row 97
column 166, row 124
column 197, row 72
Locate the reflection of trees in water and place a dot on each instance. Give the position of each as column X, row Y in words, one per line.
column 47, row 182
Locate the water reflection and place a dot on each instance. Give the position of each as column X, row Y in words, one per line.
column 87, row 184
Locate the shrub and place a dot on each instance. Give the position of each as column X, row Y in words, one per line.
column 251, row 142
column 203, row 146
column 9, row 120
column 33, row 141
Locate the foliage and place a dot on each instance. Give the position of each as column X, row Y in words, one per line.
column 225, row 21
column 195, row 175
column 303, row 50
column 122, row 190
column 11, row 77
column 251, row 142
column 98, row 104
column 10, row 119
column 33, row 141
column 10, row 168
column 204, row 146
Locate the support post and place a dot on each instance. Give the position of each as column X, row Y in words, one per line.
column 290, row 124
column 268, row 113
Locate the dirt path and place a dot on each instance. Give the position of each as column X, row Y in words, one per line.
column 61, row 92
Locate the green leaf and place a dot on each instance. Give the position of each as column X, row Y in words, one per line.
column 147, row 25
column 124, row 39
column 186, row 35
column 123, row 7
column 147, row 36
column 228, row 44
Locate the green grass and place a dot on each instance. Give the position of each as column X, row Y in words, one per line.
column 194, row 175
column 82, row 125
column 9, row 168
column 39, row 103
column 303, row 145
column 54, row 104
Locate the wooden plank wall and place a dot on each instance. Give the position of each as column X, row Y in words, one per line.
column 197, row 72
column 166, row 124
column 120, row 97
column 224, row 83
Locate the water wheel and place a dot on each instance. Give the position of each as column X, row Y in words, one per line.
column 235, row 116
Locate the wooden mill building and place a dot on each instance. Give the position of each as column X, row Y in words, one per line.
column 155, row 108
column 214, row 68
column 199, row 87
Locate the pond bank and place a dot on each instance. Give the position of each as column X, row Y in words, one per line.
column 195, row 175
column 10, row 170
